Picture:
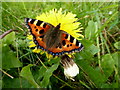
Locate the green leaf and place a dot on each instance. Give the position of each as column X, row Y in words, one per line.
column 9, row 59
column 41, row 73
column 93, row 49
column 107, row 64
column 89, row 50
column 90, row 47
column 0, row 53
column 110, row 85
column 0, row 83
column 8, row 39
column 16, row 83
column 93, row 74
column 48, row 74
column 26, row 73
column 115, row 56
column 117, row 45
column 90, row 31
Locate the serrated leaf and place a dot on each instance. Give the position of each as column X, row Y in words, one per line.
column 9, row 59
column 26, row 73
column 48, row 74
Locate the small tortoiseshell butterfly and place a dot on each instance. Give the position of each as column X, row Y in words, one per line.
column 51, row 39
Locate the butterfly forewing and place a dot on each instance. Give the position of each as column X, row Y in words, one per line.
column 38, row 29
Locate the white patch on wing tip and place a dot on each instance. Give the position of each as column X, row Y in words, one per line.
column 42, row 24
column 79, row 44
column 35, row 22
column 29, row 19
column 74, row 41
column 68, row 37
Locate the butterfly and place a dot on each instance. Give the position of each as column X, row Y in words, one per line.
column 51, row 39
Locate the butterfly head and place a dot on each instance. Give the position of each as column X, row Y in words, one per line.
column 58, row 26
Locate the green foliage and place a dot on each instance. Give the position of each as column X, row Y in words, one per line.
column 26, row 73
column 90, row 31
column 15, row 83
column 98, row 61
column 107, row 64
column 117, row 45
column 8, row 56
column 47, row 75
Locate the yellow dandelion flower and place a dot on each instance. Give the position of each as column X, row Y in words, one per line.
column 30, row 37
column 67, row 23
column 36, row 50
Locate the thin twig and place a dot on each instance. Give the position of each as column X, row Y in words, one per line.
column 6, row 73
column 111, row 36
column 5, row 33
column 105, row 35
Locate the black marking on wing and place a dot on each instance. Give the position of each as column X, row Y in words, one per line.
column 41, row 31
column 39, row 23
column 71, row 39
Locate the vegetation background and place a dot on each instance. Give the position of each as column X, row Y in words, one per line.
column 98, row 62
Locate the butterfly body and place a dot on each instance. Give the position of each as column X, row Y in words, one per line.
column 51, row 39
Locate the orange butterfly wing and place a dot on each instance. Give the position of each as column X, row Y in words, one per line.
column 68, row 44
column 39, row 28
